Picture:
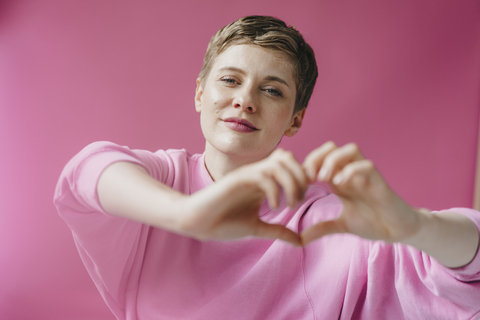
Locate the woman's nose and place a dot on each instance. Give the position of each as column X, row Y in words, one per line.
column 246, row 100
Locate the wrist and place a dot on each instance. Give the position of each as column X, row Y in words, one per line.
column 425, row 223
column 196, row 214
column 184, row 216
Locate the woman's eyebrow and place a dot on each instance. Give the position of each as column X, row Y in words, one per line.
column 269, row 78
column 274, row 78
column 232, row 69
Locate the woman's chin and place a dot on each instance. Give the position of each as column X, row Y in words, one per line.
column 235, row 149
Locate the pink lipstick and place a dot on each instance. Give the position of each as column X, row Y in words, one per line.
column 239, row 124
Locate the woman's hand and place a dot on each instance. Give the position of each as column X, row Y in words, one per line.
column 371, row 209
column 228, row 209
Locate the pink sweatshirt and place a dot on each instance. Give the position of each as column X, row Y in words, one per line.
column 149, row 273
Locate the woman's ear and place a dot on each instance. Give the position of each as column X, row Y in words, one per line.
column 296, row 123
column 198, row 96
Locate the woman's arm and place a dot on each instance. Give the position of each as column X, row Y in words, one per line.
column 227, row 209
column 451, row 238
column 126, row 189
column 373, row 211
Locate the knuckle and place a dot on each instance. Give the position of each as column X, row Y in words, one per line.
column 360, row 181
column 275, row 166
column 288, row 155
column 311, row 158
column 278, row 154
column 328, row 161
column 352, row 146
column 265, row 174
column 348, row 171
column 369, row 165
column 330, row 144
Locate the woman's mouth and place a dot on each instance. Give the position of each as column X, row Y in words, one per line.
column 239, row 124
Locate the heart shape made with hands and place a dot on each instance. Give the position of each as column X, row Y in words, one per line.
column 370, row 208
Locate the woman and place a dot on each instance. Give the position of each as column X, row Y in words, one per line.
column 146, row 224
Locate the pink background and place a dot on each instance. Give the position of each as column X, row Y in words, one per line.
column 400, row 78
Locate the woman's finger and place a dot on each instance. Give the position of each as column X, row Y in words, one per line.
column 287, row 172
column 270, row 188
column 289, row 161
column 356, row 176
column 322, row 229
column 314, row 160
column 287, row 182
column 336, row 160
column 276, row 231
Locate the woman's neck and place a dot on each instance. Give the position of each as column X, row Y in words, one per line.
column 219, row 164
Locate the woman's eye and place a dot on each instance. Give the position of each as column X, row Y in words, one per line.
column 229, row 80
column 274, row 92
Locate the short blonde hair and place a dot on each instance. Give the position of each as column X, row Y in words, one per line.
column 271, row 33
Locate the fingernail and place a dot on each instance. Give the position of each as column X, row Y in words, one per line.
column 324, row 174
column 338, row 179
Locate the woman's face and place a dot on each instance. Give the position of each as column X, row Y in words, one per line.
column 247, row 102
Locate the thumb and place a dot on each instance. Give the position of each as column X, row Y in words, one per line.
column 277, row 231
column 321, row 229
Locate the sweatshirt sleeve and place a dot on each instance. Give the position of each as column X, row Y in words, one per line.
column 109, row 246
column 470, row 272
column 423, row 283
